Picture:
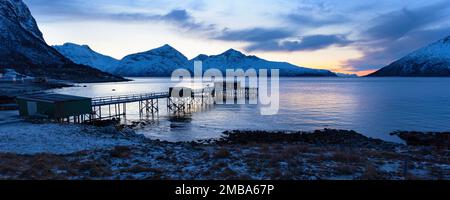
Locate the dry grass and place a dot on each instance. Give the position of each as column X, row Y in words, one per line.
column 228, row 173
column 94, row 168
column 347, row 157
column 371, row 173
column 344, row 169
column 319, row 158
column 221, row 154
column 383, row 154
column 141, row 169
column 218, row 166
column 121, row 152
column 265, row 160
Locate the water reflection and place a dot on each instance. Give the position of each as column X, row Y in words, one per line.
column 180, row 122
column 373, row 106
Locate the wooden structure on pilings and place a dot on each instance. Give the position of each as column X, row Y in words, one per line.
column 233, row 90
column 117, row 105
column 180, row 100
column 55, row 107
column 149, row 107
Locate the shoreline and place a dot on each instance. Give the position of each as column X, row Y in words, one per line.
column 10, row 90
column 110, row 153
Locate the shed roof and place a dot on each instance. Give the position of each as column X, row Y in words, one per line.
column 52, row 98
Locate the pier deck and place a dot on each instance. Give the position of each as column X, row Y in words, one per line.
column 181, row 101
column 110, row 100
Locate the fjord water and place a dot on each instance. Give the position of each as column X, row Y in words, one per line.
column 372, row 106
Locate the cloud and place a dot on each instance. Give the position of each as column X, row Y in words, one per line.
column 179, row 17
column 381, row 53
column 382, row 31
column 281, row 39
column 312, row 21
column 394, row 25
column 184, row 19
column 307, row 17
column 307, row 43
column 315, row 14
column 66, row 8
column 72, row 10
column 255, row 34
column 395, row 34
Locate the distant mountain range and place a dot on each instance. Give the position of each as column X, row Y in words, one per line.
column 233, row 59
column 344, row 75
column 164, row 60
column 432, row 60
column 23, row 49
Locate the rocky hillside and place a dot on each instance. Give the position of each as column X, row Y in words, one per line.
column 159, row 62
column 432, row 60
column 84, row 55
column 23, row 49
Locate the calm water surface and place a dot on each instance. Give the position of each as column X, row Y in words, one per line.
column 372, row 106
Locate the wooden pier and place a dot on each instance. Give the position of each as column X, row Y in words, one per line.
column 179, row 101
column 117, row 105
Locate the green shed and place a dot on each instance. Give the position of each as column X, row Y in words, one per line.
column 53, row 106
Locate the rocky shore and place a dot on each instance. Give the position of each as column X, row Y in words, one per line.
column 255, row 155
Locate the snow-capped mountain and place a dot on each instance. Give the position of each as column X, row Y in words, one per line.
column 162, row 61
column 84, row 55
column 233, row 59
column 345, row 75
column 159, row 62
column 17, row 11
column 23, row 49
column 432, row 60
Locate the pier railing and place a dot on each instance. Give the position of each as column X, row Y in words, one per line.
column 101, row 101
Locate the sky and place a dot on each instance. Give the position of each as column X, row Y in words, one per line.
column 351, row 36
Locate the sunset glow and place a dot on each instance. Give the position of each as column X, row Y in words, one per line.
column 296, row 32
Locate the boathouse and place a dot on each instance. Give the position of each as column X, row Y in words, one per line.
column 181, row 92
column 54, row 106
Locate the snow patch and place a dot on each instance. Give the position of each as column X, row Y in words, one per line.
column 83, row 54
column 28, row 138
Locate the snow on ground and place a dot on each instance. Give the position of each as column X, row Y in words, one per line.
column 28, row 138
column 120, row 156
column 9, row 116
